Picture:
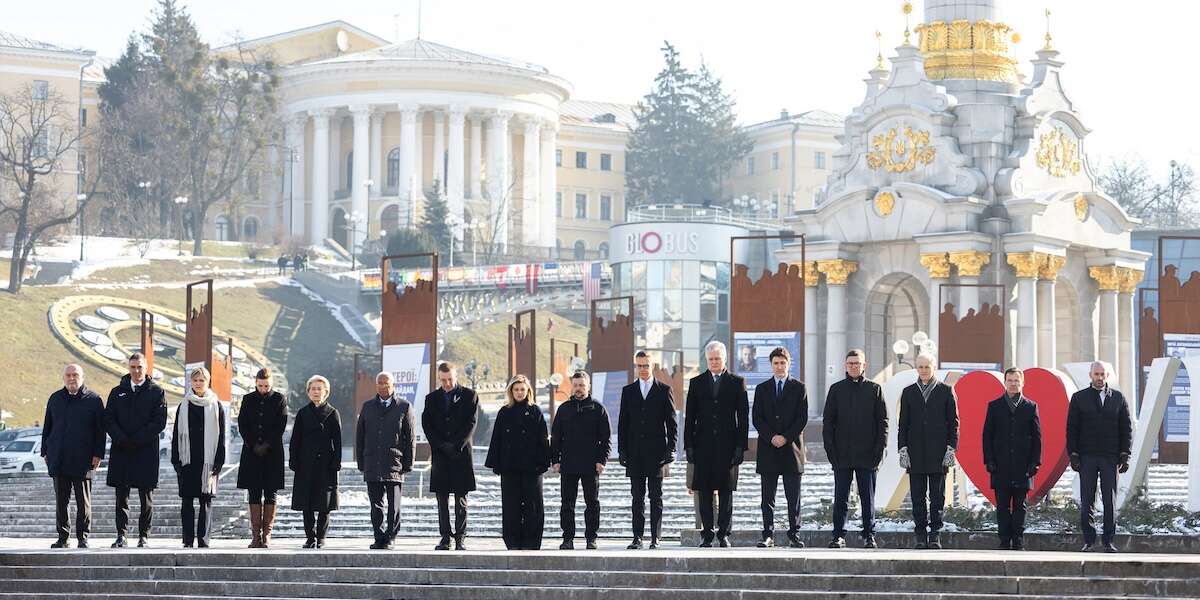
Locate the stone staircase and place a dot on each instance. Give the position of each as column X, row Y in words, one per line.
column 739, row 574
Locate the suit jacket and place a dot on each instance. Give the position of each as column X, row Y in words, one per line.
column 927, row 427
column 716, row 429
column 449, row 424
column 1099, row 430
column 785, row 415
column 1012, row 443
column 646, row 429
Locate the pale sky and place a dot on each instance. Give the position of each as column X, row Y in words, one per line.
column 1130, row 68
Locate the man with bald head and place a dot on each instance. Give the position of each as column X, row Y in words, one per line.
column 73, row 444
column 384, row 448
column 1099, row 440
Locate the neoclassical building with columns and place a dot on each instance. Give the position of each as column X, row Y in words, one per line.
column 960, row 181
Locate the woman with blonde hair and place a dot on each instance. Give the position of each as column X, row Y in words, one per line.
column 198, row 453
column 315, row 454
column 520, row 453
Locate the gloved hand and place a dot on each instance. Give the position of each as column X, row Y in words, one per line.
column 667, row 458
column 949, row 459
column 1074, row 462
column 1123, row 462
column 739, row 455
column 1032, row 472
column 991, row 468
column 689, row 454
column 905, row 462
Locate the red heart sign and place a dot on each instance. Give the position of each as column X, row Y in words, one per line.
column 1048, row 389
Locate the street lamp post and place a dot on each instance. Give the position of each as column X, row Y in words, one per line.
column 355, row 219
column 79, row 199
column 180, row 201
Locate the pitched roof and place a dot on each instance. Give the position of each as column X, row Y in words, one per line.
column 285, row 34
column 594, row 114
column 812, row 118
column 12, row 40
column 425, row 50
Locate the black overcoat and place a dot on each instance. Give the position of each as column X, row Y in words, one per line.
column 646, row 430
column 73, row 433
column 1012, row 443
column 854, row 426
column 786, row 415
column 135, row 420
column 191, row 476
column 262, row 418
column 580, row 436
column 385, row 442
column 716, row 429
column 315, row 455
column 448, row 421
column 520, row 442
column 1099, row 427
column 927, row 427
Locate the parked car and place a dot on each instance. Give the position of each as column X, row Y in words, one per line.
column 22, row 454
column 15, row 433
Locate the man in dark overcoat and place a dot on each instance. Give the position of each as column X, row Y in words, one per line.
column 1099, row 442
column 448, row 421
column 780, row 416
column 1012, row 454
column 72, row 445
column 646, row 433
column 927, row 439
column 134, row 417
column 384, row 448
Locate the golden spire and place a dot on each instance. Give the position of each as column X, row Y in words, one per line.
column 879, row 47
column 1048, row 38
column 906, row 8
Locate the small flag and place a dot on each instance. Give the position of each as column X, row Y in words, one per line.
column 532, row 274
column 591, row 282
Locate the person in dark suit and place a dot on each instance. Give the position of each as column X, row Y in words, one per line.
column 716, row 434
column 580, row 441
column 198, row 453
column 780, row 416
column 72, row 445
column 646, row 432
column 854, row 428
column 520, row 454
column 315, row 456
column 262, row 419
column 385, row 445
column 927, row 438
column 448, row 421
column 1012, row 454
column 1099, row 441
column 134, row 416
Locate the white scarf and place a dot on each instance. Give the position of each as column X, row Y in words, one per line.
column 212, row 424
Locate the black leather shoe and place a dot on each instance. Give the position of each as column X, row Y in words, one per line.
column 567, row 545
column 766, row 542
column 458, row 544
column 1018, row 543
column 310, row 543
column 62, row 543
column 1110, row 548
column 382, row 546
column 636, row 544
column 443, row 544
column 143, row 542
column 654, row 543
column 922, row 541
column 1004, row 545
column 1088, row 546
column 591, row 544
column 869, row 542
column 723, row 541
column 705, row 543
column 201, row 544
column 794, row 541
column 187, row 544
column 935, row 541
column 121, row 542
column 83, row 543
column 837, row 542
column 320, row 542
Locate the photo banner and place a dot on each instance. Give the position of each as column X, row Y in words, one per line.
column 409, row 365
column 1175, row 420
column 751, row 357
column 606, row 389
column 971, row 326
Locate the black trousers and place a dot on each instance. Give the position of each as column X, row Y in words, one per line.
column 1091, row 468
column 523, row 513
column 460, row 515
column 639, row 485
column 591, row 504
column 791, row 492
column 841, row 499
column 196, row 527
column 376, row 491
column 145, row 514
column 724, row 513
column 1010, row 512
column 927, row 515
column 63, row 487
column 316, row 524
column 261, row 496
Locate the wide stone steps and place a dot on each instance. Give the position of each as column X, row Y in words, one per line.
column 606, row 575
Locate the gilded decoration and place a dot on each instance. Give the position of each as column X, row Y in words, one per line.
column 1049, row 270
column 1107, row 277
column 1081, row 208
column 970, row 262
column 1130, row 278
column 1027, row 264
column 837, row 270
column 899, row 151
column 885, row 203
column 937, row 264
column 811, row 275
column 962, row 49
column 1058, row 154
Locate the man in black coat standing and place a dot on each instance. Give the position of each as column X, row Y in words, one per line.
column 134, row 416
column 449, row 423
column 780, row 415
column 854, row 429
column 716, row 434
column 927, row 437
column 580, row 440
column 1099, row 441
column 1012, row 454
column 73, row 444
column 646, row 432
column 384, row 447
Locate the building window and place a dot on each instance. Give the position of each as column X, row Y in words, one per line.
column 603, row 247
column 580, row 206
column 393, row 171
column 581, row 160
column 222, row 226
column 41, row 89
column 558, row 204
column 605, row 162
column 774, row 161
column 83, row 117
column 558, row 157
column 819, row 160
column 580, row 250
column 41, row 148
column 605, row 208
column 250, row 228
column 749, row 165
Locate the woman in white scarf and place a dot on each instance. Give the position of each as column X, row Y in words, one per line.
column 198, row 453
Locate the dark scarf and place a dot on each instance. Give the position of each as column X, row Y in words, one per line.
column 1013, row 401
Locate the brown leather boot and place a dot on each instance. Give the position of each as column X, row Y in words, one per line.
column 268, row 521
column 256, row 519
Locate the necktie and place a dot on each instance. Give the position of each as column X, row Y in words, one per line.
column 778, row 388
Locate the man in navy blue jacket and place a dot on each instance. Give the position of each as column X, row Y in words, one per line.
column 73, row 444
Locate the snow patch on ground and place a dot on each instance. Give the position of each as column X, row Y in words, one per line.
column 334, row 310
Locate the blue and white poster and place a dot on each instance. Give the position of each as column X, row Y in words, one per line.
column 751, row 357
column 606, row 389
column 409, row 366
column 1175, row 419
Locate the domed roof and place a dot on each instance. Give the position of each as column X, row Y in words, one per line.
column 427, row 51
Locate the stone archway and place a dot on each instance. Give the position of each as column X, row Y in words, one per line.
column 897, row 307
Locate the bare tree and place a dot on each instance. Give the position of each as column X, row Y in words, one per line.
column 1165, row 205
column 40, row 147
column 497, row 225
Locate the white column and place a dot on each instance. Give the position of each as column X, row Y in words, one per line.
column 475, row 170
column 408, row 150
column 812, row 363
column 1026, row 322
column 499, row 198
column 1127, row 377
column 836, row 272
column 376, row 153
column 419, row 160
column 439, row 151
column 530, row 184
column 547, row 175
column 1108, row 328
column 968, row 297
column 1047, row 342
column 358, row 191
column 335, row 155
column 295, row 169
column 318, row 225
column 454, row 167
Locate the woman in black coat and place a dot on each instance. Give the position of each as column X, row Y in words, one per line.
column 520, row 453
column 261, row 421
column 198, row 453
column 315, row 454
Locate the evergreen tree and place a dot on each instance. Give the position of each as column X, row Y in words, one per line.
column 435, row 223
